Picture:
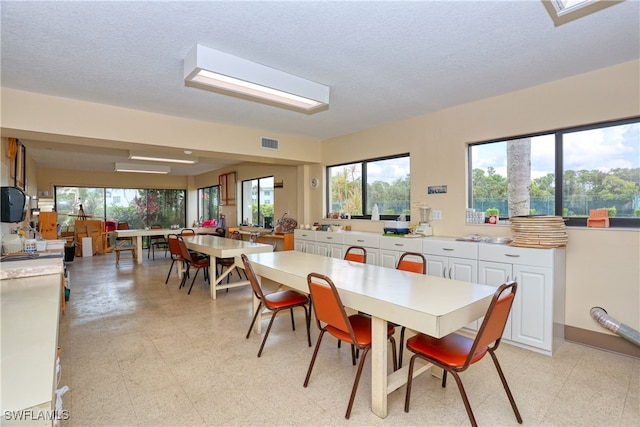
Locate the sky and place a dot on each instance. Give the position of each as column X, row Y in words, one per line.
column 602, row 149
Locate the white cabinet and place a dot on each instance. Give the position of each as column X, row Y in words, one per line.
column 392, row 247
column 305, row 241
column 330, row 244
column 537, row 315
column 371, row 242
column 453, row 260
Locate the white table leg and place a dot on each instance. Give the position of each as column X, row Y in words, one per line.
column 139, row 249
column 379, row 367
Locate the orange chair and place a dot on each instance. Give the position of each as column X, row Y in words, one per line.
column 416, row 263
column 276, row 302
column 157, row 241
column 228, row 262
column 190, row 260
column 354, row 329
column 174, row 252
column 356, row 254
column 455, row 353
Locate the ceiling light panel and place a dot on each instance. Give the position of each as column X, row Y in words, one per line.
column 151, row 157
column 212, row 68
column 141, row 168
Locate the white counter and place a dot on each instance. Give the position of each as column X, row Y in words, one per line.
column 30, row 294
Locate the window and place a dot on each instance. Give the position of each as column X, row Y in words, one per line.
column 566, row 172
column 208, row 203
column 139, row 207
column 257, row 203
column 354, row 188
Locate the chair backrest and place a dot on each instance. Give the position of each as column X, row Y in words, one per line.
column 494, row 322
column 156, row 227
column 356, row 254
column 248, row 269
column 174, row 246
column 123, row 225
column 412, row 261
column 184, row 251
column 188, row 232
column 327, row 304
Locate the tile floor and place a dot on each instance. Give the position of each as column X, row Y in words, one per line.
column 137, row 352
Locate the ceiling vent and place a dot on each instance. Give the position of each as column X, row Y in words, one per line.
column 269, row 143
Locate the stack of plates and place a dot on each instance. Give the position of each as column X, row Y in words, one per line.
column 538, row 231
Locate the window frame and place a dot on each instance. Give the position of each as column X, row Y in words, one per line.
column 242, row 198
column 200, row 205
column 363, row 164
column 614, row 222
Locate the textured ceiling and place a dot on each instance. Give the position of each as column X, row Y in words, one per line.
column 384, row 61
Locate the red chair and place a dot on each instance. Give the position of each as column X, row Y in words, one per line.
column 356, row 254
column 276, row 302
column 191, row 261
column 455, row 353
column 156, row 242
column 416, row 263
column 174, row 252
column 354, row 329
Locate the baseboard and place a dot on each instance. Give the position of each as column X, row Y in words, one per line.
column 607, row 342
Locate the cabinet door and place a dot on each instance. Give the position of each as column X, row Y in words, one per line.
column 495, row 274
column 463, row 269
column 373, row 256
column 336, row 251
column 323, row 249
column 532, row 307
column 311, row 247
column 437, row 265
column 299, row 245
column 389, row 258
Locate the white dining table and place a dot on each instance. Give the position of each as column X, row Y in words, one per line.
column 431, row 305
column 143, row 232
column 222, row 247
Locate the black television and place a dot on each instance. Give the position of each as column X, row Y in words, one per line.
column 13, row 204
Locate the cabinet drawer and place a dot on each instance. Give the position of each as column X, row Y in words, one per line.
column 304, row 234
column 401, row 244
column 516, row 255
column 368, row 241
column 329, row 237
column 450, row 248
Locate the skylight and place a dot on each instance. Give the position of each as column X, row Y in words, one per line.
column 563, row 11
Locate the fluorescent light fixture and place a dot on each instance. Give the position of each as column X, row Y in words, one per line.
column 208, row 68
column 563, row 11
column 189, row 160
column 139, row 168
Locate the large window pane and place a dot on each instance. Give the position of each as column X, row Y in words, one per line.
column 208, row 203
column 355, row 188
column 139, row 207
column 601, row 170
column 519, row 172
column 257, row 202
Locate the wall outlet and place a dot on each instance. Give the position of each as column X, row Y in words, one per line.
column 436, row 215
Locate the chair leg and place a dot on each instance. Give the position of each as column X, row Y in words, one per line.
column 293, row 322
column 193, row 281
column 353, row 354
column 313, row 358
column 465, row 399
column 170, row 268
column 506, row 386
column 307, row 316
column 407, row 397
column 255, row 316
column 356, row 382
column 393, row 352
column 266, row 334
column 401, row 347
column 444, row 379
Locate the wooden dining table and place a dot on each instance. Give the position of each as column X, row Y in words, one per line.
column 431, row 305
column 138, row 234
column 222, row 247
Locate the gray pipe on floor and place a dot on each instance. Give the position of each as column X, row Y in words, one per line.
column 609, row 323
